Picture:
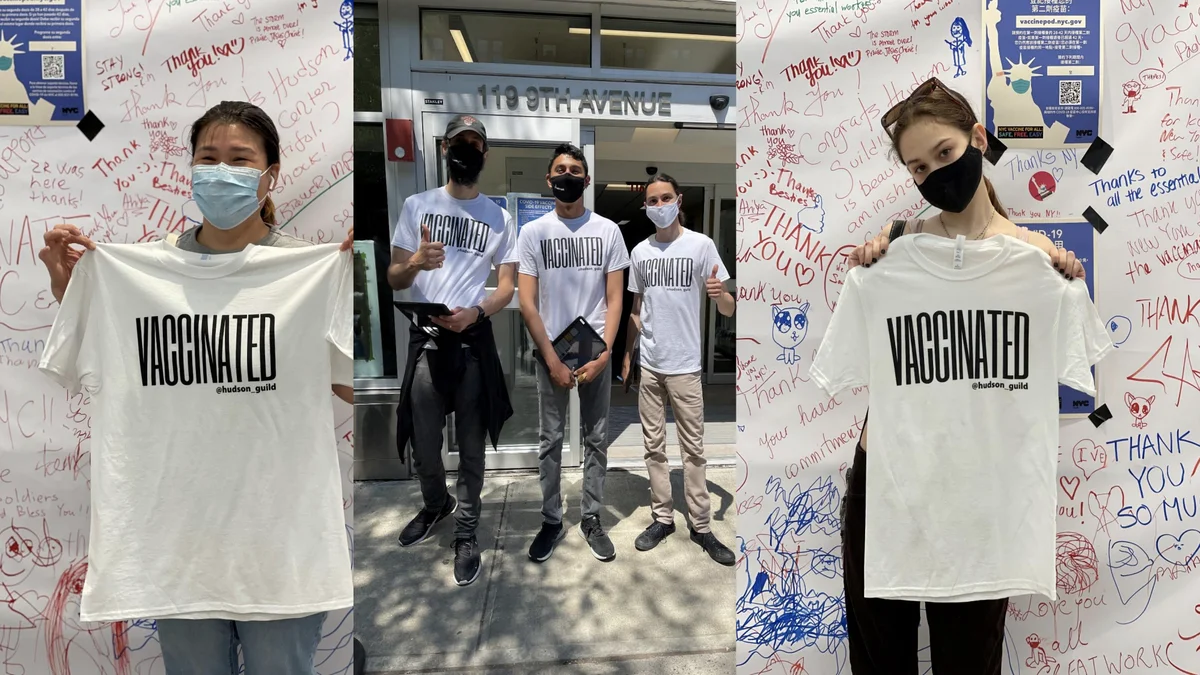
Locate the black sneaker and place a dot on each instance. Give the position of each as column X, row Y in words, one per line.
column 466, row 560
column 602, row 547
column 653, row 536
column 714, row 548
column 421, row 525
column 543, row 544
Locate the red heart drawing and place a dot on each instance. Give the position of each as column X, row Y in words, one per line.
column 1073, row 482
column 1089, row 457
column 857, row 32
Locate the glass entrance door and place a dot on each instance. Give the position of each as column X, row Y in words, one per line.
column 721, row 337
column 519, row 150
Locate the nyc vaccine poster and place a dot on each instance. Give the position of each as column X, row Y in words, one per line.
column 1075, row 237
column 41, row 62
column 1043, row 72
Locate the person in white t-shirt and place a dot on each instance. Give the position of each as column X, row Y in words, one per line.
column 670, row 274
column 447, row 242
column 572, row 265
column 235, row 164
column 939, row 139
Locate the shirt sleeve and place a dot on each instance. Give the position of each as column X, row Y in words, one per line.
column 844, row 356
column 714, row 258
column 341, row 367
column 340, row 333
column 507, row 251
column 1082, row 339
column 70, row 357
column 527, row 252
column 618, row 255
column 408, row 232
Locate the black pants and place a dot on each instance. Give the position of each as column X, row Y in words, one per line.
column 429, row 418
column 966, row 638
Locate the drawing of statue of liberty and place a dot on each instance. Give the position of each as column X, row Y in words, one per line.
column 12, row 90
column 1010, row 91
column 960, row 39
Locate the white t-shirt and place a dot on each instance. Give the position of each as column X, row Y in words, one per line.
column 671, row 279
column 215, row 486
column 963, row 366
column 572, row 259
column 477, row 234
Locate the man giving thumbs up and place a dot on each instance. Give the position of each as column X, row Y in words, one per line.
column 669, row 272
column 447, row 241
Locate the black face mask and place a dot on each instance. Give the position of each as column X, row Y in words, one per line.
column 464, row 162
column 568, row 188
column 952, row 187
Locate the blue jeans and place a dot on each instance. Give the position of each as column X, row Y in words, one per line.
column 209, row 646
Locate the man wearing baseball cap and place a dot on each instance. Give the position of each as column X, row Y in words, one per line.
column 447, row 241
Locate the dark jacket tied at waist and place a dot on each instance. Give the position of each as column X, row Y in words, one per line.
column 446, row 365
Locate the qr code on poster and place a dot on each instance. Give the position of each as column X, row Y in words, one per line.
column 53, row 66
column 1070, row 92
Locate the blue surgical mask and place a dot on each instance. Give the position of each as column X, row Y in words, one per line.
column 663, row 216
column 5, row 62
column 1020, row 86
column 226, row 195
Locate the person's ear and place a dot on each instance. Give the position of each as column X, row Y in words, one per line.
column 979, row 137
column 272, row 177
column 587, row 181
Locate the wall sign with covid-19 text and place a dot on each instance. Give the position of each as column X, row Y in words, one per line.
column 613, row 102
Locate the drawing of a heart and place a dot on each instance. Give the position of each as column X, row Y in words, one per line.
column 1089, row 457
column 1179, row 550
column 1063, row 482
column 1057, row 172
column 857, row 32
column 804, row 275
column 896, row 57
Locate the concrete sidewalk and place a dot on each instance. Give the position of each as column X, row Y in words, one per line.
column 665, row 611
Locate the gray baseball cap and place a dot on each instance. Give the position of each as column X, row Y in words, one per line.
column 463, row 123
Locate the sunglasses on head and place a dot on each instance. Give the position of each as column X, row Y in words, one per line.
column 893, row 114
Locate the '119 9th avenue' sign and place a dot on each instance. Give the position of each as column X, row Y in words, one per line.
column 614, row 102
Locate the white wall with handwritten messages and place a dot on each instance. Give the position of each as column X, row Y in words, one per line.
column 815, row 179
column 153, row 67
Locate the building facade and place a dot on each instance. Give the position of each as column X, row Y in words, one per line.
column 641, row 87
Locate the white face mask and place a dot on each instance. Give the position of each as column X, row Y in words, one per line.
column 663, row 216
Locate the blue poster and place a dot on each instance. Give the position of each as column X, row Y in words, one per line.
column 41, row 62
column 502, row 202
column 530, row 208
column 1043, row 72
column 1075, row 237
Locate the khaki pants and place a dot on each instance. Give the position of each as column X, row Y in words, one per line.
column 687, row 402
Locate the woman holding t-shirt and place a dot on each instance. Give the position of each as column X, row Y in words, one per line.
column 235, row 164
column 670, row 274
column 938, row 138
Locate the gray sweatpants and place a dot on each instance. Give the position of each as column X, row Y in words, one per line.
column 553, row 402
column 429, row 418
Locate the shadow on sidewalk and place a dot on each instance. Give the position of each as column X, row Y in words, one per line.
column 520, row 616
column 635, row 484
